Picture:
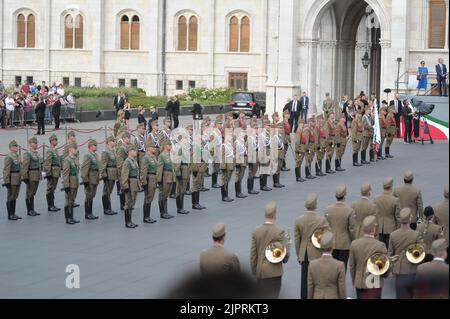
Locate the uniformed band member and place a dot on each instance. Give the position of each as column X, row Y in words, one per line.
column 399, row 242
column 326, row 275
column 227, row 168
column 311, row 152
column 129, row 183
column 109, row 174
column 305, row 226
column 279, row 141
column 331, row 142
column 301, row 147
column 121, row 156
column 70, row 181
column 71, row 138
column 267, row 274
column 321, row 144
column 155, row 136
column 361, row 250
column 363, row 207
column 214, row 153
column 52, row 169
column 90, row 178
column 429, row 231
column 31, row 174
column 216, row 259
column 341, row 219
column 383, row 131
column 367, row 136
column 264, row 157
column 12, row 179
column 357, row 137
column 441, row 213
column 252, row 140
column 165, row 178
column 148, row 175
column 432, row 277
column 140, row 141
column 411, row 197
column 198, row 173
column 166, row 137
column 341, row 142
column 182, row 171
column 287, row 138
column 391, row 130
column 388, row 210
column 240, row 162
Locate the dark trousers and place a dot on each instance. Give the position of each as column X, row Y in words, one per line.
column 384, row 238
column 341, row 255
column 407, row 136
column 397, row 123
column 293, row 121
column 56, row 116
column 442, row 83
column 304, row 283
column 416, row 128
column 404, row 286
column 270, row 287
column 40, row 125
column 176, row 122
column 374, row 293
column 304, row 114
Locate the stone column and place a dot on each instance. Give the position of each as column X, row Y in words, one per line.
column 98, row 30
column 387, row 70
column 308, row 51
column 211, row 41
column 47, row 34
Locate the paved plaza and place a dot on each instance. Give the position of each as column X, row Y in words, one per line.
column 116, row 262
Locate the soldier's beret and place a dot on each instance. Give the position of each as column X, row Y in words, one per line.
column 270, row 210
column 71, row 133
column 131, row 147
column 126, row 135
column 52, row 137
column 13, row 143
column 438, row 245
column 341, row 191
column 388, row 182
column 369, row 222
column 365, row 189
column 428, row 211
column 327, row 241
column 218, row 230
column 110, row 139
column 73, row 145
column 32, row 140
column 405, row 215
column 150, row 143
column 408, row 176
column 92, row 143
column 311, row 201
column 141, row 125
column 446, row 191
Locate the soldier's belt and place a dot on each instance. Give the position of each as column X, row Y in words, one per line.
column 111, row 166
column 73, row 175
column 167, row 170
column 12, row 172
column 132, row 177
column 33, row 169
column 151, row 174
column 93, row 170
column 184, row 164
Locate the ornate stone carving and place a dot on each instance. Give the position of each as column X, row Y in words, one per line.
column 328, row 44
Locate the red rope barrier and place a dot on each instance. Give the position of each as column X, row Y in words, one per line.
column 85, row 130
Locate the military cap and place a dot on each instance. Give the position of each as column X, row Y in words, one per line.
column 218, row 230
column 266, row 122
column 165, row 143
column 52, row 137
column 428, row 211
column 189, row 127
column 275, row 115
column 438, row 245
column 311, row 201
column 71, row 133
column 92, row 143
column 126, row 135
column 327, row 241
column 73, row 145
column 388, row 182
column 408, row 176
column 150, row 143
column 341, row 191
column 271, row 210
column 110, row 139
column 131, row 147
column 13, row 143
column 229, row 114
column 140, row 125
column 405, row 215
column 446, row 191
column 32, row 140
column 365, row 189
column 319, row 117
column 369, row 222
column 383, row 108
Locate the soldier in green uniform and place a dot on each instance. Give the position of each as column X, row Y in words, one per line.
column 121, row 156
column 240, row 162
column 311, row 148
column 181, row 171
column 367, row 136
column 52, row 169
column 301, row 147
column 391, row 130
column 331, row 137
column 321, row 145
column 71, row 138
column 120, row 125
column 252, row 158
column 383, row 129
column 90, row 178
column 341, row 142
column 198, row 167
column 279, row 142
column 165, row 178
column 155, row 136
column 109, row 174
column 70, row 181
column 264, row 156
column 287, row 138
column 357, row 135
column 227, row 168
column 140, row 142
column 148, row 175
column 129, row 183
column 31, row 174
column 12, row 179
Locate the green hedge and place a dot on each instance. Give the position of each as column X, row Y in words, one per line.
column 103, row 92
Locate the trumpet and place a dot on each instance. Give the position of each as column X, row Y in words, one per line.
column 276, row 251
column 415, row 253
column 317, row 235
column 378, row 264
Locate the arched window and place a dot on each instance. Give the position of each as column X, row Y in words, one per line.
column 135, row 29
column 73, row 31
column 26, row 31
column 193, row 31
column 130, row 30
column 234, row 35
column 182, row 33
column 239, row 34
column 125, row 33
column 436, row 24
column 245, row 34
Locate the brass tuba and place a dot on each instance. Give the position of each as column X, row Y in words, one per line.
column 415, row 253
column 378, row 264
column 276, row 250
column 317, row 235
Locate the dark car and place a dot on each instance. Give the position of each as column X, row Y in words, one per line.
column 252, row 103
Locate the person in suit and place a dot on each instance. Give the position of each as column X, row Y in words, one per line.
column 388, row 209
column 403, row 269
column 129, row 184
column 12, row 179
column 175, row 111
column 153, row 118
column 432, row 277
column 119, row 102
column 267, row 274
column 326, row 275
column 169, row 106
column 363, row 207
column 407, row 113
column 56, row 110
column 361, row 250
column 39, row 110
column 90, row 178
column 341, row 219
column 430, row 231
column 216, row 259
column 411, row 197
column 441, row 76
column 52, row 168
column 398, row 111
column 304, row 106
column 305, row 226
column 70, row 181
column 441, row 215
column 294, row 110
column 141, row 117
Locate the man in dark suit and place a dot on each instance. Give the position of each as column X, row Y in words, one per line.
column 119, row 102
column 294, row 111
column 40, row 116
column 56, row 110
column 175, row 112
column 441, row 76
column 397, row 111
column 304, row 107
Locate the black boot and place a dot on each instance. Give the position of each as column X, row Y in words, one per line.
column 71, row 216
column 340, row 167
column 263, row 183
column 298, row 175
column 32, row 206
column 147, row 219
column 250, row 189
column 196, row 201
column 380, row 154
column 106, row 209
column 308, row 174
column 388, row 152
column 204, row 189
column 69, row 220
column 9, row 210
column 276, row 181
column 180, row 205
column 363, row 158
column 122, row 201
column 284, row 168
column 319, row 165
column 238, row 188
column 173, row 192
column 371, row 156
column 355, row 160
column 214, row 181
column 128, row 222
column 118, row 188
column 30, row 211
column 12, row 207
column 51, row 204
column 328, row 167
column 88, row 211
column 225, row 197
column 166, row 211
